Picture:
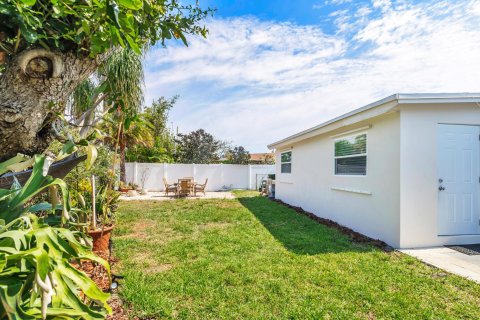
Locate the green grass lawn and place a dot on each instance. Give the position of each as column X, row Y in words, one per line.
column 251, row 258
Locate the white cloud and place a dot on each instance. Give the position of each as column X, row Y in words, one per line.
column 382, row 4
column 254, row 82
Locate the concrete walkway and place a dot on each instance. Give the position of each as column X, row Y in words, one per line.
column 449, row 260
column 160, row 196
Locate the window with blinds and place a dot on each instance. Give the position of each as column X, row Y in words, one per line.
column 286, row 162
column 351, row 155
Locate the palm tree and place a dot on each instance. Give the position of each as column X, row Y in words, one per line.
column 117, row 87
column 124, row 78
column 139, row 132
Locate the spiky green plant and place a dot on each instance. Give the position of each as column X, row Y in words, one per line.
column 37, row 277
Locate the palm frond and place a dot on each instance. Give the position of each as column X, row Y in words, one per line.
column 124, row 73
column 82, row 98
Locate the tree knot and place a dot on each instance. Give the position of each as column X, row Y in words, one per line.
column 41, row 63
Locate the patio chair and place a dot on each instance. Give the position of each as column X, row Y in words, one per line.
column 200, row 187
column 169, row 187
column 184, row 187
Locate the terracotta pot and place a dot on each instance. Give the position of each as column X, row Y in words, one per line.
column 124, row 189
column 101, row 238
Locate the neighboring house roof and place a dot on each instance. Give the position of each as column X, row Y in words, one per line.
column 377, row 108
column 259, row 156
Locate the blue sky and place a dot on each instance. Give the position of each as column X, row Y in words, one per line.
column 271, row 68
column 301, row 11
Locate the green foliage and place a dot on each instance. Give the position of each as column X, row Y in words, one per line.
column 121, row 91
column 199, row 147
column 106, row 205
column 82, row 97
column 12, row 201
column 157, row 114
column 94, row 26
column 117, row 86
column 134, row 131
column 6, row 165
column 238, row 155
column 160, row 152
column 37, row 278
column 81, row 189
column 123, row 86
column 102, row 169
column 163, row 146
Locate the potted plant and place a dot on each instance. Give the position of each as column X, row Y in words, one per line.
column 97, row 210
column 124, row 187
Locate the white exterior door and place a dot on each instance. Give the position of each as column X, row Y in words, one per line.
column 458, row 179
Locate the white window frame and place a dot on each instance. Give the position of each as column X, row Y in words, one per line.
column 346, row 136
column 289, row 162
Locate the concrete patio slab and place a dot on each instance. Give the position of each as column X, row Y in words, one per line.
column 160, row 196
column 449, row 260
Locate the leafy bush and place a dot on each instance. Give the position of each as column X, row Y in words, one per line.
column 106, row 204
column 95, row 26
column 37, row 275
column 199, row 147
column 101, row 168
column 160, row 152
column 163, row 146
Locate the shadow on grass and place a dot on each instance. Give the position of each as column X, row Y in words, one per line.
column 298, row 233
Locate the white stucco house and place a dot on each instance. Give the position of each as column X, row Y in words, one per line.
column 404, row 169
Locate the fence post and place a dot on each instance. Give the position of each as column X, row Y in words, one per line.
column 221, row 175
column 249, row 177
column 165, row 173
column 134, row 173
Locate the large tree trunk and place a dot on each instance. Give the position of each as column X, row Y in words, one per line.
column 33, row 89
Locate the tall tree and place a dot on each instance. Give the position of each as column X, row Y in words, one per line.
column 163, row 146
column 124, row 77
column 121, row 87
column 157, row 114
column 47, row 48
column 137, row 133
column 199, row 147
column 238, row 155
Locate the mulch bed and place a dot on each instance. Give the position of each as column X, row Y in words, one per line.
column 100, row 276
column 353, row 235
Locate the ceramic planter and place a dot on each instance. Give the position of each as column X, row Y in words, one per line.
column 101, row 238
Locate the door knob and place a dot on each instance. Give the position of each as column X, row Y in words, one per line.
column 441, row 188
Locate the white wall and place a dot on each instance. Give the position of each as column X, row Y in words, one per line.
column 312, row 179
column 219, row 175
column 418, row 174
column 257, row 173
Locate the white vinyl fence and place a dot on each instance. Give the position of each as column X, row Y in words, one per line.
column 220, row 176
